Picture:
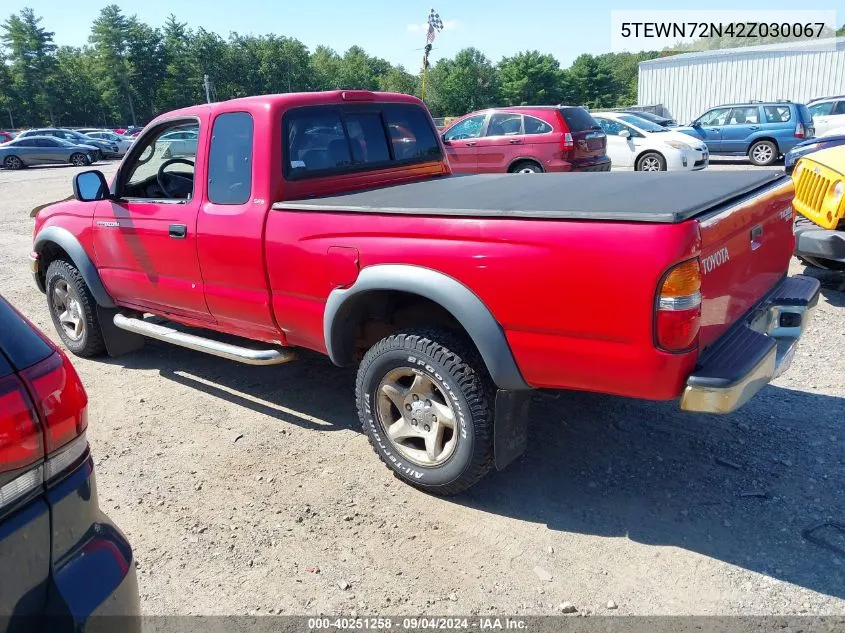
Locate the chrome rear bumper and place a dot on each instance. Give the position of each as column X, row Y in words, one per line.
column 753, row 352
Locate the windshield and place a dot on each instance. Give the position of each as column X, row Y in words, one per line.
column 640, row 123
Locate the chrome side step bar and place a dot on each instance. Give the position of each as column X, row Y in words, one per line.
column 202, row 344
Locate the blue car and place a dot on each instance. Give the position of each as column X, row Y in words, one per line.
column 809, row 146
column 64, row 566
column 763, row 131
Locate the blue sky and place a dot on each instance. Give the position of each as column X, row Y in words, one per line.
column 393, row 30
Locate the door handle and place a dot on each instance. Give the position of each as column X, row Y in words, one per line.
column 714, row 129
column 514, row 141
column 178, row 231
column 471, row 143
column 754, row 127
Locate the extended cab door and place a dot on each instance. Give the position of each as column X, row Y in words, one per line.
column 145, row 239
column 461, row 142
column 503, row 141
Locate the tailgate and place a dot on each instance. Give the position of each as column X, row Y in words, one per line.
column 745, row 250
column 590, row 140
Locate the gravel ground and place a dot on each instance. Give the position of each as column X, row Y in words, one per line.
column 250, row 490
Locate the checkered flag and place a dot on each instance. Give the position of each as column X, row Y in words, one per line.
column 434, row 24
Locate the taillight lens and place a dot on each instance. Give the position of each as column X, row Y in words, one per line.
column 678, row 307
column 800, row 132
column 568, row 141
column 20, row 435
column 62, row 400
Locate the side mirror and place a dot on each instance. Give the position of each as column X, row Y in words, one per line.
column 624, row 134
column 695, row 124
column 90, row 186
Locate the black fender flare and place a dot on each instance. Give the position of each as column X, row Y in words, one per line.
column 453, row 296
column 64, row 239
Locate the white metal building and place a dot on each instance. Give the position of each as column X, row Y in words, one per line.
column 688, row 84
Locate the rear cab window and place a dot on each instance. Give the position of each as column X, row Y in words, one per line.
column 230, row 159
column 325, row 140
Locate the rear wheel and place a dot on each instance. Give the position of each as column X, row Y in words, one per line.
column 763, row 153
column 651, row 161
column 12, row 162
column 73, row 309
column 79, row 160
column 426, row 404
column 526, row 167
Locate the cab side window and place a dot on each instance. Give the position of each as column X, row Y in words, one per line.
column 161, row 167
column 468, row 128
column 230, row 159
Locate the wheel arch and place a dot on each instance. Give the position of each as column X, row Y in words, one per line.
column 344, row 312
column 55, row 242
column 764, row 137
column 649, row 150
column 525, row 159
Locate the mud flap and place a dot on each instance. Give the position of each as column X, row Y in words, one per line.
column 510, row 427
column 118, row 342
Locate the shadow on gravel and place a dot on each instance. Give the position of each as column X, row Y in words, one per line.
column 309, row 392
column 832, row 284
column 741, row 488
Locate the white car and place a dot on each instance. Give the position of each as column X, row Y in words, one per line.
column 638, row 144
column 828, row 115
column 123, row 144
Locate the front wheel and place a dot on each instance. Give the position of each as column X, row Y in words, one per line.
column 79, row 160
column 527, row 167
column 763, row 153
column 651, row 161
column 73, row 309
column 426, row 404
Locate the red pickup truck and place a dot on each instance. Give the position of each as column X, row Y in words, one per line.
column 331, row 221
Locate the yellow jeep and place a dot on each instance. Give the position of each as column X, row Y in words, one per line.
column 819, row 180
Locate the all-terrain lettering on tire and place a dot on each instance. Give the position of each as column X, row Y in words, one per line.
column 429, row 413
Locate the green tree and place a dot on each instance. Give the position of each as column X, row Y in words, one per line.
column 145, row 59
column 177, row 85
column 325, row 69
column 625, row 68
column 110, row 39
column 30, row 50
column 81, row 101
column 397, row 79
column 529, row 78
column 463, row 84
column 357, row 70
column 594, row 82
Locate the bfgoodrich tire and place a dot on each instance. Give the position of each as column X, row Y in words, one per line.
column 73, row 309
column 426, row 404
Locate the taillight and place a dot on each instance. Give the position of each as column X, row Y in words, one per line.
column 21, row 442
column 568, row 141
column 678, row 307
column 800, row 132
column 61, row 399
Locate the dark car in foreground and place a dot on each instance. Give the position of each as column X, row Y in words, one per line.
column 809, row 146
column 526, row 140
column 63, row 563
column 44, row 150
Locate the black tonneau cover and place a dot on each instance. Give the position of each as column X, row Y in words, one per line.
column 662, row 197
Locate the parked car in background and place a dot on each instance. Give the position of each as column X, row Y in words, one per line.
column 526, row 140
column 641, row 145
column 182, row 141
column 5, row 137
column 819, row 180
column 810, row 145
column 127, row 131
column 44, row 150
column 60, row 557
column 101, row 147
column 763, row 131
column 654, row 118
column 828, row 115
column 122, row 143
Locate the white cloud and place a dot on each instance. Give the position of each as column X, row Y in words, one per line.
column 448, row 25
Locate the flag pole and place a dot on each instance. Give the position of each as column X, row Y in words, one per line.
column 434, row 24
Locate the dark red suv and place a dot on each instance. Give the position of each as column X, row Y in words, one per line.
column 526, row 139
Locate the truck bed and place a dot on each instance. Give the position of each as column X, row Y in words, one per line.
column 662, row 197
